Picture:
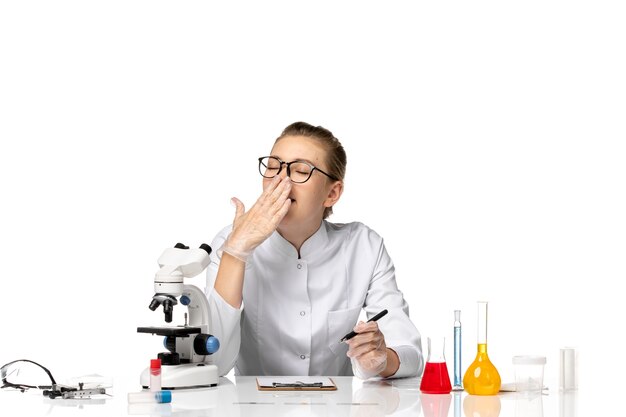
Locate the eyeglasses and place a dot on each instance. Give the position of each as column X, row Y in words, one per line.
column 25, row 374
column 297, row 171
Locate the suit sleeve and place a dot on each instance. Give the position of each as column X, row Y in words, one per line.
column 224, row 319
column 400, row 333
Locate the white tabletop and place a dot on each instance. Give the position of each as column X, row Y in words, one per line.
column 239, row 396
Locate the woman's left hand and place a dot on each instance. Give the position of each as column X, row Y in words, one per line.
column 367, row 350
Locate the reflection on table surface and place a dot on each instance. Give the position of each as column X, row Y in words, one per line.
column 239, row 396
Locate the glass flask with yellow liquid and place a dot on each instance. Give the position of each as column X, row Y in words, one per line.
column 482, row 377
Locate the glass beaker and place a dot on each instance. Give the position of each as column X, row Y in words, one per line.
column 482, row 377
column 436, row 379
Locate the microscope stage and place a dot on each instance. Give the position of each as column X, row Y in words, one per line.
column 170, row 331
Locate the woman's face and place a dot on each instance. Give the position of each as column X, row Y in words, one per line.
column 309, row 199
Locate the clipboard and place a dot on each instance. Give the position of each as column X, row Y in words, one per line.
column 295, row 383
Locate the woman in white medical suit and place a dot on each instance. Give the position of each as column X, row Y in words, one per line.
column 285, row 285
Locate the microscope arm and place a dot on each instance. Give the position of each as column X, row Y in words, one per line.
column 197, row 306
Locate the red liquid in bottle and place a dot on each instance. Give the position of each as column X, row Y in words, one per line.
column 436, row 379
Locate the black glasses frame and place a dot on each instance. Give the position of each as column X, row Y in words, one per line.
column 288, row 164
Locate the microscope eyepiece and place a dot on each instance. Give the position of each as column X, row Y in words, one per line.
column 207, row 248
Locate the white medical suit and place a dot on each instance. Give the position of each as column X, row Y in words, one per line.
column 295, row 310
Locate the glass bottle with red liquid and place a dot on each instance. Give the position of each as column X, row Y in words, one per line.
column 436, row 379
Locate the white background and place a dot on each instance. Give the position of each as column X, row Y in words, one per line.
column 485, row 143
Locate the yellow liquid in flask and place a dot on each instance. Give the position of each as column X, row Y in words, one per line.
column 482, row 377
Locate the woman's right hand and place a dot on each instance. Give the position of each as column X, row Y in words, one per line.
column 252, row 227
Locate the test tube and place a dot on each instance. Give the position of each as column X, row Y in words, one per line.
column 155, row 375
column 458, row 385
column 568, row 376
column 150, row 397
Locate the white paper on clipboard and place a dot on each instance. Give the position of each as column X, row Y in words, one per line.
column 272, row 381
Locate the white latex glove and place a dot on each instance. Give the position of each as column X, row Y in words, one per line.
column 367, row 350
column 251, row 228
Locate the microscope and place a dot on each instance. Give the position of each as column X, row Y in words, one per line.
column 187, row 363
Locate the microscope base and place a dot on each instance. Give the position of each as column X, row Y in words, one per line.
column 188, row 375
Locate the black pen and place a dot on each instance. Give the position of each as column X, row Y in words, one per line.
column 353, row 333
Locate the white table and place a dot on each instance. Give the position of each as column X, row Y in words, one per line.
column 239, row 397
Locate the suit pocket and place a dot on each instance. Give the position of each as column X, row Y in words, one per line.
column 341, row 322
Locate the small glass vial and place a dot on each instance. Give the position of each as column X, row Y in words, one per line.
column 158, row 397
column 155, row 375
